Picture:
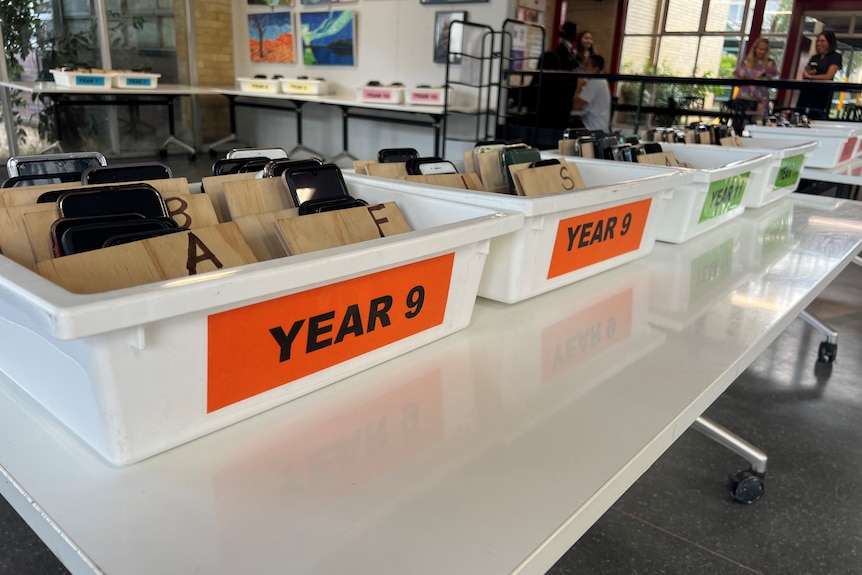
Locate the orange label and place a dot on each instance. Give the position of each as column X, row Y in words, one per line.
column 595, row 237
column 586, row 334
column 263, row 346
column 847, row 151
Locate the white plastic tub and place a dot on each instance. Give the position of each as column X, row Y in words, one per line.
column 258, row 85
column 839, row 142
column 723, row 176
column 380, row 94
column 304, row 86
column 136, row 371
column 136, row 80
column 82, row 79
column 789, row 157
column 562, row 241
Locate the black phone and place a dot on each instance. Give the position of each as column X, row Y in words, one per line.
column 54, row 163
column 133, row 198
column 412, row 165
column 330, row 205
column 315, row 183
column 89, row 237
column 652, row 148
column 543, row 163
column 387, row 155
column 140, row 235
column 116, row 173
column 41, row 179
column 60, row 225
column 236, row 165
column 277, row 167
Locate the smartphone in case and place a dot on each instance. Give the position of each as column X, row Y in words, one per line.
column 271, row 153
column 137, row 236
column 89, row 237
column 275, row 168
column 387, row 155
column 512, row 156
column 133, row 199
column 313, row 183
column 54, row 163
column 441, row 167
column 41, row 180
column 117, row 173
column 60, row 225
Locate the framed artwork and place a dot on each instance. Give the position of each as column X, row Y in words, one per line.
column 272, row 3
column 270, row 38
column 313, row 2
column 328, row 38
column 448, row 39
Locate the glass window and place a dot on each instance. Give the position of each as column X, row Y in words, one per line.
column 677, row 55
column 683, row 16
column 637, row 54
column 718, row 19
column 643, row 17
column 776, row 17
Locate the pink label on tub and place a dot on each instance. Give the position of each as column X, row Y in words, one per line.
column 426, row 97
column 849, row 148
column 378, row 94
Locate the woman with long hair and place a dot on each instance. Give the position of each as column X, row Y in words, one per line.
column 757, row 65
column 816, row 101
column 584, row 47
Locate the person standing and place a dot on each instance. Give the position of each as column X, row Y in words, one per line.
column 566, row 48
column 584, row 47
column 593, row 96
column 757, row 65
column 816, row 101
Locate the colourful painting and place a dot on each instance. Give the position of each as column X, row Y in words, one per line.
column 272, row 3
column 270, row 38
column 311, row 2
column 328, row 38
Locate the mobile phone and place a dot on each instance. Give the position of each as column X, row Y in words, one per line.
column 483, row 148
column 233, row 166
column 116, row 173
column 441, row 167
column 140, row 235
column 60, row 225
column 53, row 163
column 272, row 153
column 133, row 198
column 40, row 179
column 413, row 165
column 89, row 237
column 275, row 168
column 543, row 163
column 387, row 155
column 652, row 148
column 330, row 205
column 511, row 156
column 315, row 183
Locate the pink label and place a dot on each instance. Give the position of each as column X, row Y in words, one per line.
column 381, row 95
column 426, row 97
column 848, row 150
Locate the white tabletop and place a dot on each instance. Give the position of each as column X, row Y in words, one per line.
column 332, row 100
column 160, row 90
column 489, row 451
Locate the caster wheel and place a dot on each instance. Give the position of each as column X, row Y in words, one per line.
column 747, row 487
column 827, row 352
column 192, row 157
column 163, row 153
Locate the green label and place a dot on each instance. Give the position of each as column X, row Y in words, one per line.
column 788, row 172
column 710, row 268
column 723, row 196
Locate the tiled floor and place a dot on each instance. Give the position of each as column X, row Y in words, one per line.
column 679, row 518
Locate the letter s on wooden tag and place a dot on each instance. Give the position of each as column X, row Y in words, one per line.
column 563, row 177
